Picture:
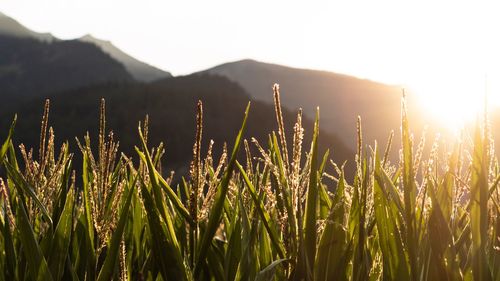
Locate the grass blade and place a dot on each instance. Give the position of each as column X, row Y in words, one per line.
column 216, row 213
column 5, row 145
column 264, row 215
column 108, row 268
column 333, row 256
column 61, row 239
column 311, row 206
column 171, row 265
column 38, row 266
column 479, row 207
column 24, row 188
column 267, row 274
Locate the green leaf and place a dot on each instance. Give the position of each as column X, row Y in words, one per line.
column 333, row 249
column 283, row 188
column 479, row 207
column 10, row 252
column 311, row 207
column 395, row 266
column 37, row 264
column 85, row 223
column 250, row 256
column 267, row 274
column 442, row 260
column 25, row 188
column 264, row 215
column 61, row 239
column 166, row 187
column 409, row 193
column 216, row 212
column 233, row 252
column 170, row 265
column 5, row 145
column 113, row 252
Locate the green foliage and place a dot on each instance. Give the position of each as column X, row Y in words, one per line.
column 279, row 216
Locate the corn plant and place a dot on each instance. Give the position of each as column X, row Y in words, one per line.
column 272, row 209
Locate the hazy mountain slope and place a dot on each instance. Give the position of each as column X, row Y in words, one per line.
column 30, row 67
column 140, row 71
column 10, row 27
column 171, row 105
column 341, row 98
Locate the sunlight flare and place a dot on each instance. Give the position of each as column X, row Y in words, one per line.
column 454, row 100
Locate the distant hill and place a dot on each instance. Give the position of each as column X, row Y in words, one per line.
column 10, row 27
column 341, row 98
column 171, row 105
column 140, row 71
column 30, row 67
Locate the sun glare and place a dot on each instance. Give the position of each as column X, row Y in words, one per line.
column 454, row 100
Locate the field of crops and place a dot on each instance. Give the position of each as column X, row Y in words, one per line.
column 278, row 214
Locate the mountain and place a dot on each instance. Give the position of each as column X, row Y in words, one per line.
column 30, row 67
column 341, row 98
column 171, row 105
column 10, row 27
column 140, row 71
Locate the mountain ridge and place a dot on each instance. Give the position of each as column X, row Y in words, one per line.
column 171, row 107
column 141, row 71
column 10, row 26
column 249, row 60
column 30, row 67
column 341, row 98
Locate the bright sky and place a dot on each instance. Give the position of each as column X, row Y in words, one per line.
column 445, row 51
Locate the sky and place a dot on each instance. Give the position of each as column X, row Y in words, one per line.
column 445, row 51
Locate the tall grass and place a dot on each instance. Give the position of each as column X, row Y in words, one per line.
column 273, row 216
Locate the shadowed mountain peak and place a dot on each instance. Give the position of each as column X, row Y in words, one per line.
column 31, row 67
column 140, row 71
column 11, row 27
column 341, row 98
